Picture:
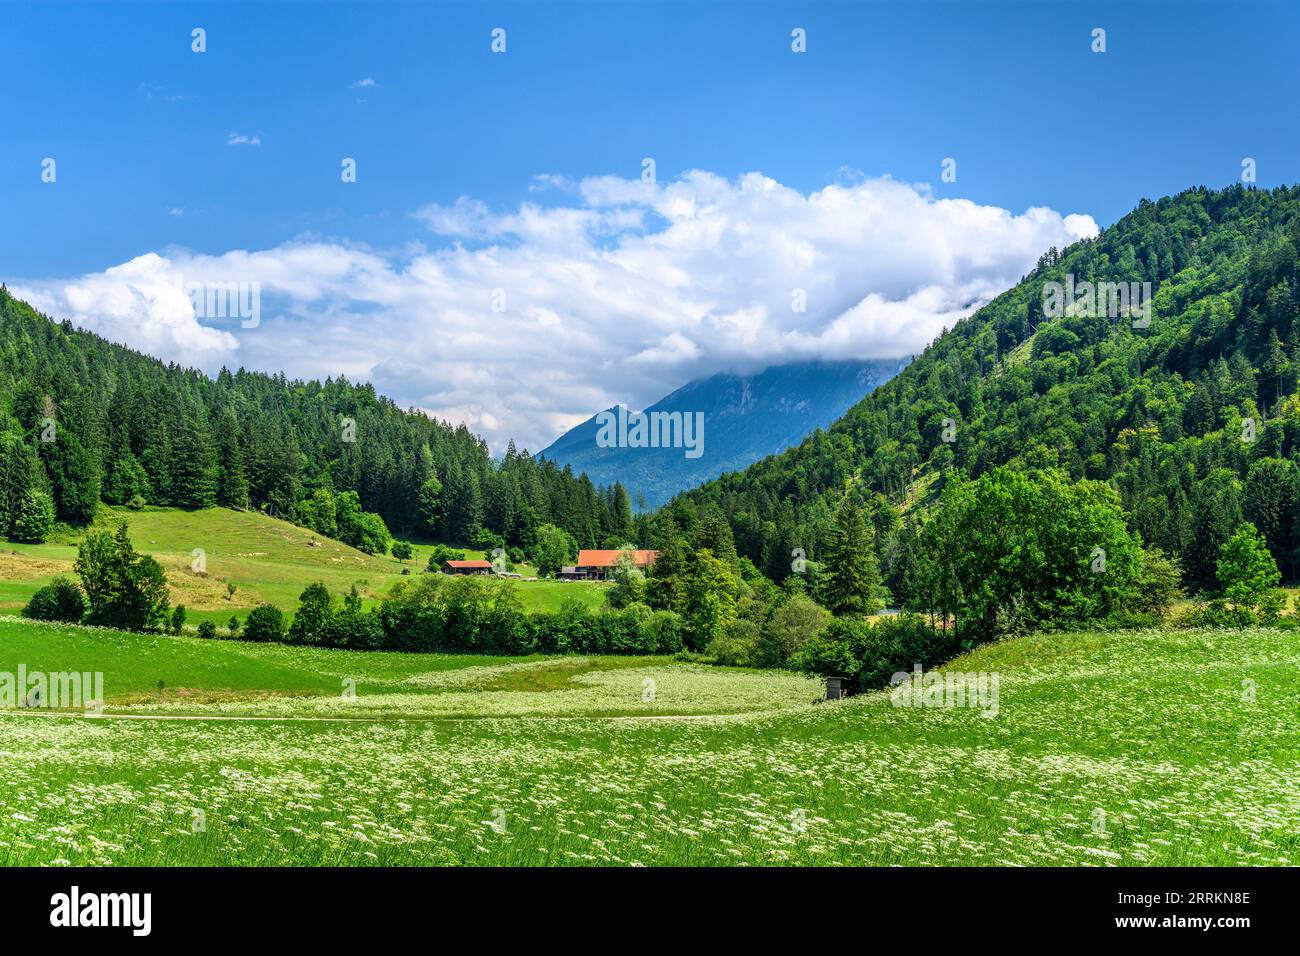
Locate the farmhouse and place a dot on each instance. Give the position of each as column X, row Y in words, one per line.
column 467, row 567
column 597, row 565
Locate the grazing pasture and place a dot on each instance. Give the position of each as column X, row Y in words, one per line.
column 265, row 558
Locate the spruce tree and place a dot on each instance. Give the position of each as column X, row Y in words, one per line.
column 852, row 571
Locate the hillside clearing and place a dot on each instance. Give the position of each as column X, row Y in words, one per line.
column 265, row 558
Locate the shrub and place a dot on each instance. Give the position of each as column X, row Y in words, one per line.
column 178, row 619
column 207, row 630
column 737, row 646
column 354, row 629
column 413, row 617
column 60, row 600
column 485, row 540
column 402, row 550
column 233, row 626
column 873, row 654
column 787, row 627
column 264, row 623
column 665, row 627
column 1157, row 586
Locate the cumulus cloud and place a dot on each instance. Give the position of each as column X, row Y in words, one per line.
column 522, row 322
column 242, row 139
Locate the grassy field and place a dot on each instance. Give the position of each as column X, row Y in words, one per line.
column 265, row 558
column 1153, row 748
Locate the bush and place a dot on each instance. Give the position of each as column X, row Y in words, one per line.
column 178, row 619
column 207, row 630
column 354, row 629
column 665, row 629
column 60, row 600
column 1157, row 586
column 737, row 646
column 265, row 623
column 412, row 616
column 402, row 550
column 789, row 625
column 485, row 540
column 873, row 654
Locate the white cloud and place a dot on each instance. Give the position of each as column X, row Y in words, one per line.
column 240, row 139
column 366, row 83
column 621, row 295
column 141, row 303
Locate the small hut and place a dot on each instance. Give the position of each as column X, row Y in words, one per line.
column 838, row 687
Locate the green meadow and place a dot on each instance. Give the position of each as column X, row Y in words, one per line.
column 1107, row 749
column 265, row 558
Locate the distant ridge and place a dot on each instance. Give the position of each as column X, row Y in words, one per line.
column 746, row 418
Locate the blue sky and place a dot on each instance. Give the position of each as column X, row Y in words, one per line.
column 141, row 129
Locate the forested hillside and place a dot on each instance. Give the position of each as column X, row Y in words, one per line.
column 83, row 420
column 1162, row 413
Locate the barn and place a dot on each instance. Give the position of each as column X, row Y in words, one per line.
column 598, row 564
column 467, row 567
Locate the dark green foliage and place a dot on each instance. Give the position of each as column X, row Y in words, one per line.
column 124, row 589
column 178, row 619
column 433, row 614
column 1272, row 504
column 873, row 653
column 312, row 619
column 207, row 630
column 852, row 571
column 60, row 600
column 402, row 550
column 34, row 518
column 1159, row 412
column 129, row 427
column 264, row 623
column 363, row 530
column 1011, row 552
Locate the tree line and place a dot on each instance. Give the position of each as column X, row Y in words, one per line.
column 84, row 421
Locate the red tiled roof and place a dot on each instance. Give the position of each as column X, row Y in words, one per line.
column 469, row 564
column 607, row 559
